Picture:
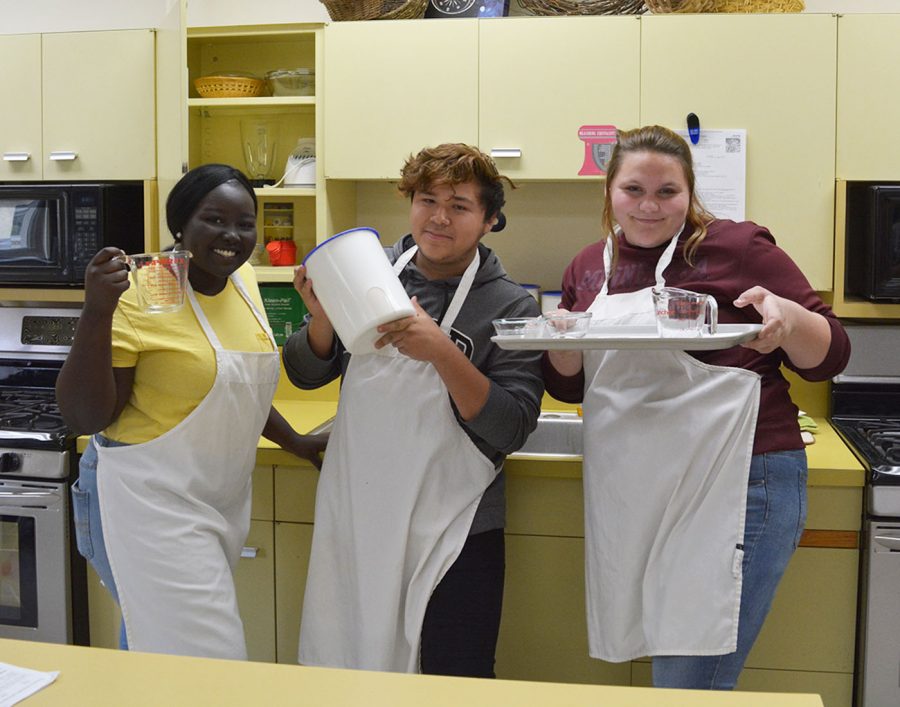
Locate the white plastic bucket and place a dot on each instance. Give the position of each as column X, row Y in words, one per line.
column 355, row 282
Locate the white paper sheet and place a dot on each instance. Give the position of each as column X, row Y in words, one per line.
column 18, row 683
column 720, row 166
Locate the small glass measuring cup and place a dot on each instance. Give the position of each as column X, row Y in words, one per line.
column 682, row 313
column 160, row 279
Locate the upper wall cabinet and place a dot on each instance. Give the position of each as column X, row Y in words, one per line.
column 394, row 87
column 84, row 106
column 541, row 79
column 775, row 76
column 518, row 88
column 868, row 102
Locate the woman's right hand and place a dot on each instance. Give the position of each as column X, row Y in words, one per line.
column 567, row 363
column 105, row 279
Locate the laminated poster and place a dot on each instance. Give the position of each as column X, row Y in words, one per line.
column 720, row 166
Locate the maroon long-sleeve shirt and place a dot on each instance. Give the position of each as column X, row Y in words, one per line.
column 732, row 258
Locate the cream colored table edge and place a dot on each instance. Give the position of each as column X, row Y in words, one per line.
column 98, row 677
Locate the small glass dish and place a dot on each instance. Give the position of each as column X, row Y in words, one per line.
column 567, row 325
column 519, row 327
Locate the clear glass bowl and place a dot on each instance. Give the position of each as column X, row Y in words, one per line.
column 521, row 327
column 292, row 82
column 567, row 325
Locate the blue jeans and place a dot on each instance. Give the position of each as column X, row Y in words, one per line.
column 88, row 527
column 776, row 514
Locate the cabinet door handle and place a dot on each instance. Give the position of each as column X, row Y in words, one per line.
column 16, row 156
column 249, row 552
column 506, row 152
column 63, row 155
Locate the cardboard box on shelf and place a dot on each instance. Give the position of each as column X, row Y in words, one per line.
column 284, row 309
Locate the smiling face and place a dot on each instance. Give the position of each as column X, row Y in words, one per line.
column 221, row 235
column 447, row 223
column 650, row 197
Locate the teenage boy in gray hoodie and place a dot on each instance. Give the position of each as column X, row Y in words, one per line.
column 407, row 565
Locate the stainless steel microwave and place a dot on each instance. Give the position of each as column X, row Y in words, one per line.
column 872, row 241
column 50, row 232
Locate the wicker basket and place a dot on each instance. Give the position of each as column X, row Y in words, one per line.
column 758, row 6
column 659, row 7
column 229, row 86
column 761, row 6
column 583, row 7
column 403, row 9
column 342, row 10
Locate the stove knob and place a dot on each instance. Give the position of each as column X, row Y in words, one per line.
column 10, row 461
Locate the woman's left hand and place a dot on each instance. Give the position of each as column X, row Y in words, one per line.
column 777, row 318
column 803, row 335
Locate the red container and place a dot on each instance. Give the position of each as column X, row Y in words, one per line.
column 282, row 252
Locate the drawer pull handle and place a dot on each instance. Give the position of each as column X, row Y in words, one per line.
column 891, row 542
column 63, row 156
column 250, row 552
column 506, row 152
column 16, row 156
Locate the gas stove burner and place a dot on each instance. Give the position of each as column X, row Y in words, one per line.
column 876, row 442
column 884, row 436
column 30, row 418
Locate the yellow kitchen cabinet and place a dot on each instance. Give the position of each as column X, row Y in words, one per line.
column 394, row 87
column 868, row 104
column 806, row 644
column 218, row 127
column 21, row 151
column 104, row 616
column 518, row 89
column 834, row 688
column 254, row 579
column 83, row 107
column 295, row 501
column 543, row 632
column 540, row 80
column 254, row 576
column 773, row 75
column 293, row 542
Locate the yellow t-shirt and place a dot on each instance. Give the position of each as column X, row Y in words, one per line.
column 175, row 365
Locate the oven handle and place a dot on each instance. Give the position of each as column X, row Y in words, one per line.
column 891, row 542
column 25, row 498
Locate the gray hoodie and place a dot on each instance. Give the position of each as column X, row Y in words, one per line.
column 514, row 402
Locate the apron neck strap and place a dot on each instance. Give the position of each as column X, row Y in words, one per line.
column 207, row 327
column 664, row 260
column 462, row 290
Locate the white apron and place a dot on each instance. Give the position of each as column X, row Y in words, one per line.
column 399, row 486
column 668, row 441
column 176, row 509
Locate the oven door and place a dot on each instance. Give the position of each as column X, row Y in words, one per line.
column 34, row 563
column 33, row 227
column 879, row 631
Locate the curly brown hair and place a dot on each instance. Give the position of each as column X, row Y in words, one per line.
column 659, row 140
column 455, row 163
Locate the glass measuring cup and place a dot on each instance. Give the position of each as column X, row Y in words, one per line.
column 682, row 313
column 160, row 279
